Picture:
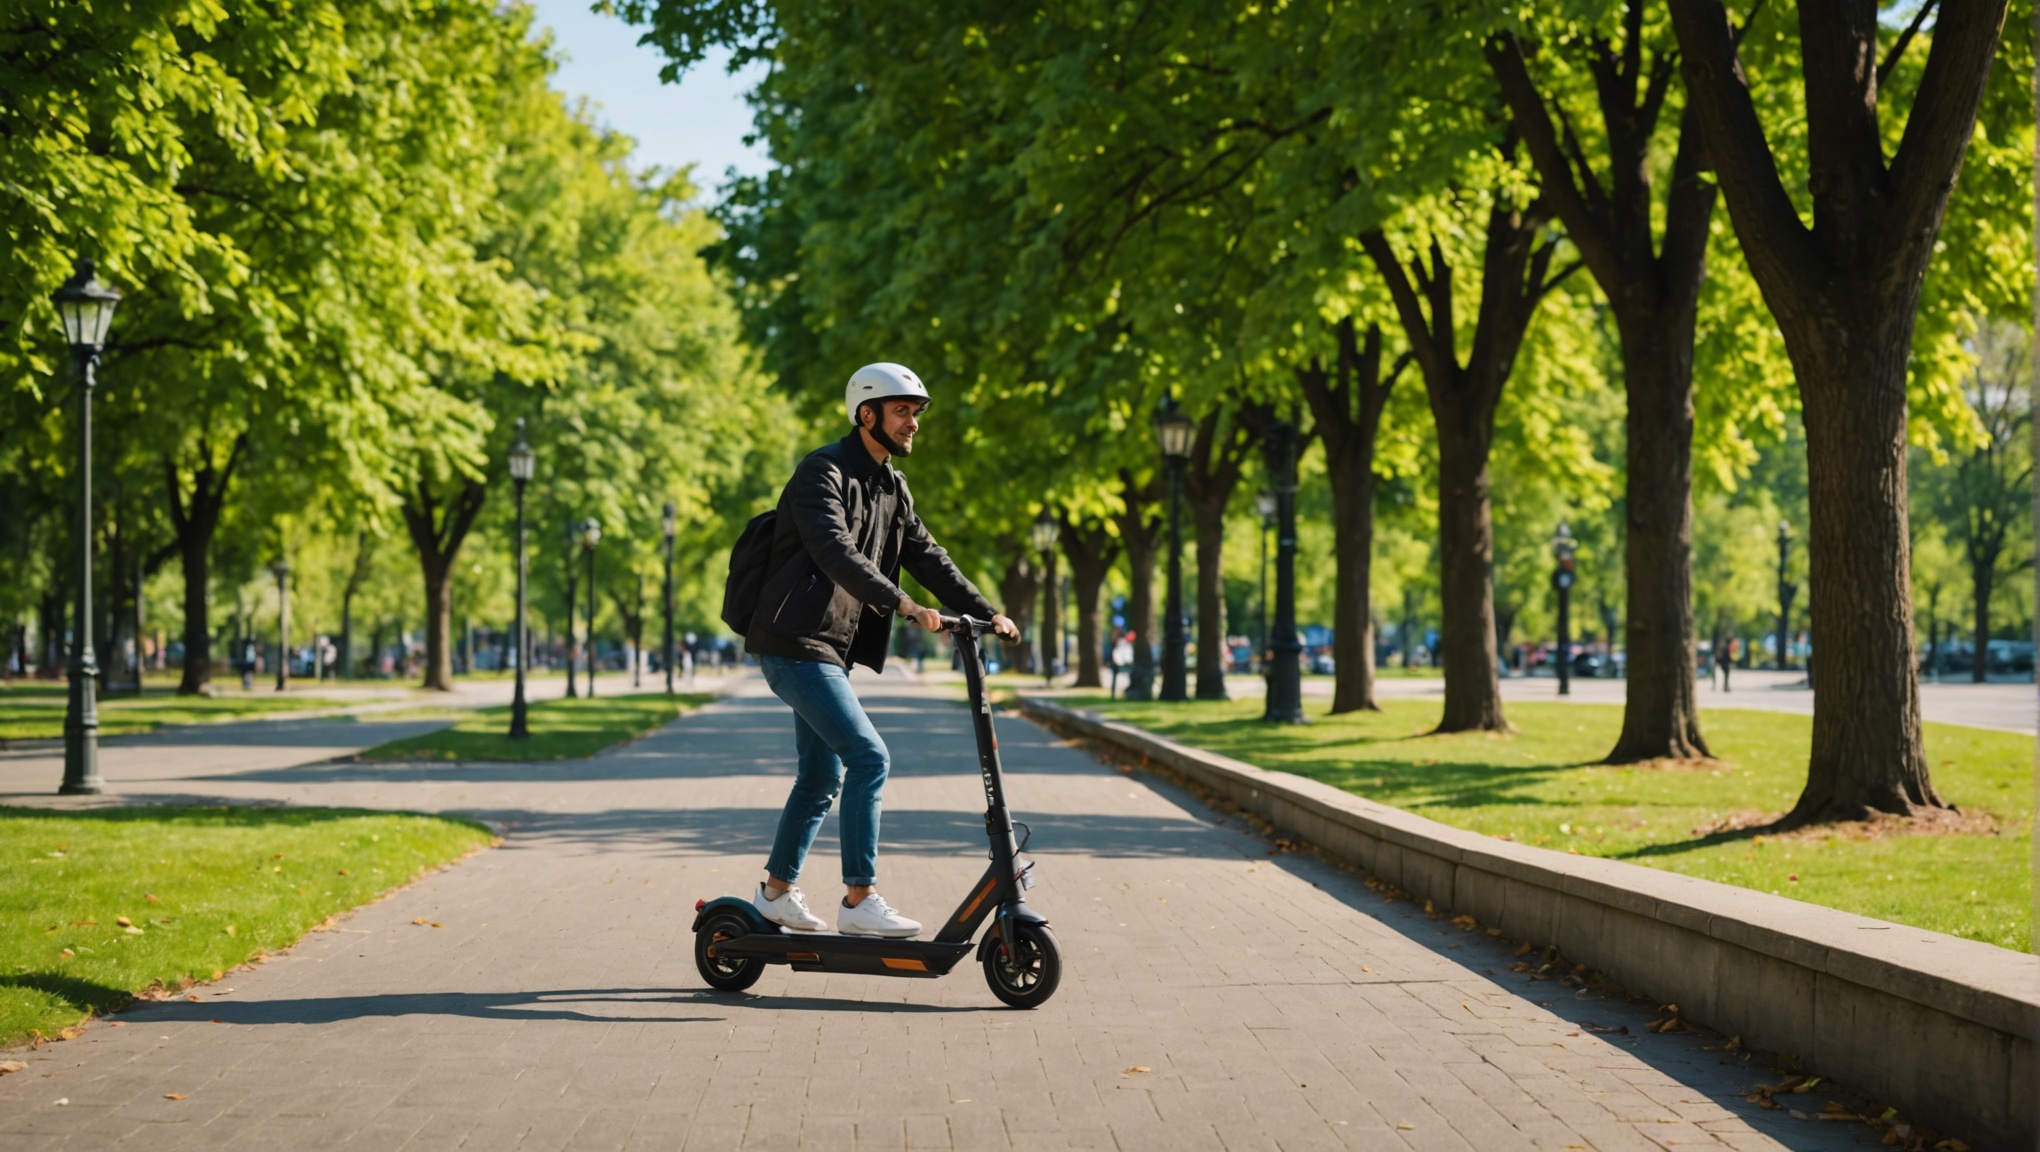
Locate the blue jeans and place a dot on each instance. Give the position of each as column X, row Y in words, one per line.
column 839, row 751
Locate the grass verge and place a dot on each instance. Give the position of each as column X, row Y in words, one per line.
column 100, row 906
column 1541, row 786
column 38, row 713
column 560, row 729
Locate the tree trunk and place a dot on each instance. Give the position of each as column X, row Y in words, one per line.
column 195, row 521
column 1140, row 531
column 1867, row 754
column 1983, row 576
column 1348, row 417
column 1018, row 585
column 1209, row 522
column 1661, row 718
column 437, row 532
column 1466, row 554
column 1844, row 293
column 1051, row 615
column 1216, row 461
column 1091, row 551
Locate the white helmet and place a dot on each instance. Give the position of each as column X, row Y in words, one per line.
column 882, row 381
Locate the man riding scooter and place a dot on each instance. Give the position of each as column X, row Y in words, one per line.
column 845, row 528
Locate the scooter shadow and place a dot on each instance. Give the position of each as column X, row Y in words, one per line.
column 755, row 1000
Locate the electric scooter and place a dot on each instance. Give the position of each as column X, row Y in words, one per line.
column 733, row 942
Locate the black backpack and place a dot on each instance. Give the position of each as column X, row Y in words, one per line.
column 750, row 566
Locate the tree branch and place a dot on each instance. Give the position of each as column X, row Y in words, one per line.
column 1905, row 38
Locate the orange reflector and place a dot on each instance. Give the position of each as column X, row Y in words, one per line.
column 802, row 958
column 907, row 964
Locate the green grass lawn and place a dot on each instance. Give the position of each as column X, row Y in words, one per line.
column 1540, row 786
column 560, row 729
column 201, row 889
column 36, row 712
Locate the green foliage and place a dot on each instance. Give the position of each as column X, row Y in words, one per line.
column 203, row 890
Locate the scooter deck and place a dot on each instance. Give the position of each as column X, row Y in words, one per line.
column 834, row 952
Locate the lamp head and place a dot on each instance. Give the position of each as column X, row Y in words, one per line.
column 1264, row 503
column 1563, row 544
column 86, row 308
column 1043, row 531
column 671, row 519
column 523, row 461
column 1175, row 431
column 591, row 532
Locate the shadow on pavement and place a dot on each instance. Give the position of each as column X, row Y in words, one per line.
column 905, row 831
column 513, row 1006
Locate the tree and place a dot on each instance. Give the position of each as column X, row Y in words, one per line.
column 1844, row 292
column 1516, row 273
column 1653, row 288
column 1346, row 402
column 1984, row 497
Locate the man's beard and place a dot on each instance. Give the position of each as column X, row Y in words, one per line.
column 892, row 447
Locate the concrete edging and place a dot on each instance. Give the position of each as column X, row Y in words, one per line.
column 1941, row 1027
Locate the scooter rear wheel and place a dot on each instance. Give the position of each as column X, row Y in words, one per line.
column 722, row 973
column 1028, row 976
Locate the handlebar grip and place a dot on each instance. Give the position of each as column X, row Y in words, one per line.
column 966, row 623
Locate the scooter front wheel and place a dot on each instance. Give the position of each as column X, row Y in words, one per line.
column 723, row 973
column 1026, row 974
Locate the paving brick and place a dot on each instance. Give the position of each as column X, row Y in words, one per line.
column 1275, row 1001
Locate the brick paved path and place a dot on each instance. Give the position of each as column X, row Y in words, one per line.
column 1214, row 996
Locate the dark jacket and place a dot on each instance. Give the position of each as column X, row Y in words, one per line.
column 846, row 526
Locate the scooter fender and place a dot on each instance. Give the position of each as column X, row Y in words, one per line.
column 737, row 904
column 1010, row 914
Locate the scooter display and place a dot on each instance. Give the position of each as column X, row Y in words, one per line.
column 733, row 942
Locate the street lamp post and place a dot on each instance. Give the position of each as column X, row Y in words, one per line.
column 281, row 569
column 671, row 522
column 1175, row 431
column 523, row 462
column 1043, row 533
column 1285, row 669
column 86, row 308
column 1562, row 548
column 568, row 535
column 591, row 533
column 1786, row 590
column 1264, row 503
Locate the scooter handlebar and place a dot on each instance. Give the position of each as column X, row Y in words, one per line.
column 972, row 624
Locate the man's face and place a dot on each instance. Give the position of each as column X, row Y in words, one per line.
column 899, row 420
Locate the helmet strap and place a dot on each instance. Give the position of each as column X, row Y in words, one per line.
column 877, row 428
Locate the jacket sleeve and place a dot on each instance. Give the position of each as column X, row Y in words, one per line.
column 930, row 564
column 824, row 528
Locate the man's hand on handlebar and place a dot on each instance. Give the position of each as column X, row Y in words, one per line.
column 1006, row 628
column 926, row 617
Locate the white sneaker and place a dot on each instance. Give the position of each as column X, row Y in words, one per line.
column 790, row 909
column 874, row 917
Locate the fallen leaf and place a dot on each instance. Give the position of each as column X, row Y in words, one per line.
column 1136, row 1070
column 420, row 921
column 173, row 1095
column 69, row 1033
column 1404, row 1126
column 1795, row 1113
column 116, row 1023
column 232, row 931
column 151, row 898
column 193, row 997
column 123, row 921
column 7, row 1066
column 67, row 952
column 965, row 1100
column 63, row 1100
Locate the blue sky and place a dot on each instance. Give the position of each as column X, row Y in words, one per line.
column 700, row 121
